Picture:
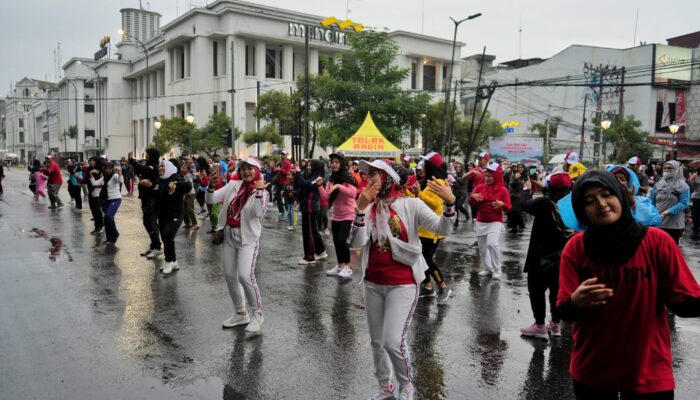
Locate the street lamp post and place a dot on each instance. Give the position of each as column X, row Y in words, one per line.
column 448, row 86
column 673, row 128
column 75, row 89
column 157, row 126
column 148, row 82
column 99, row 108
column 604, row 125
column 190, row 120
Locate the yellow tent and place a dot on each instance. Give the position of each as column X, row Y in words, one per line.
column 369, row 142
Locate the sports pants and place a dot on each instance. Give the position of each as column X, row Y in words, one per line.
column 239, row 270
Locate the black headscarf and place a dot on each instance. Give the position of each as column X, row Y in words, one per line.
column 431, row 171
column 611, row 244
column 317, row 169
column 203, row 164
column 340, row 177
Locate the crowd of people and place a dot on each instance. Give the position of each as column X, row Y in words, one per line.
column 603, row 243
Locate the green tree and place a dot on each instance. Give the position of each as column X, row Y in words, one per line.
column 490, row 127
column 275, row 106
column 266, row 134
column 628, row 139
column 212, row 136
column 173, row 132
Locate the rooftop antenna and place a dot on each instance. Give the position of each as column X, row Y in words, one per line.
column 422, row 19
column 177, row 10
column 520, row 39
column 140, row 5
column 636, row 21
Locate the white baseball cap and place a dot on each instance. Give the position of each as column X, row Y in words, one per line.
column 250, row 161
column 571, row 157
column 493, row 167
column 635, row 161
column 379, row 164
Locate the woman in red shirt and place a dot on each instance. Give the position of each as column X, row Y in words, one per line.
column 492, row 198
column 616, row 280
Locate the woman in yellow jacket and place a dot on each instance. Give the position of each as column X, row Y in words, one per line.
column 434, row 167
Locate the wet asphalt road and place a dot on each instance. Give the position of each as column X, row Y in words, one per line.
column 79, row 321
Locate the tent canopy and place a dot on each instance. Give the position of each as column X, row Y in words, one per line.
column 558, row 159
column 369, row 142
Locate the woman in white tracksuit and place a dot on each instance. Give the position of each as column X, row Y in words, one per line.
column 392, row 265
column 244, row 204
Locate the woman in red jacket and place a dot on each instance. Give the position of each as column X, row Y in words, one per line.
column 616, row 280
column 493, row 199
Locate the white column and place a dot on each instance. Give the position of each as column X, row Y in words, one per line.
column 419, row 74
column 438, row 76
column 260, row 49
column 313, row 61
column 288, row 63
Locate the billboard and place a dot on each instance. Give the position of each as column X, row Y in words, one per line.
column 671, row 64
column 516, row 147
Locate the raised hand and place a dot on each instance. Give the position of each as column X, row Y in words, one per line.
column 442, row 190
column 590, row 294
column 369, row 193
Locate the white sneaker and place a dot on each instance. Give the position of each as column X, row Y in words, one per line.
column 345, row 273
column 497, row 275
column 335, row 271
column 322, row 256
column 167, row 268
column 290, row 228
column 236, row 320
column 306, row 262
column 175, row 266
column 384, row 393
column 154, row 253
column 408, row 392
column 484, row 273
column 255, row 323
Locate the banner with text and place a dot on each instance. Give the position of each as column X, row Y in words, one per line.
column 516, row 147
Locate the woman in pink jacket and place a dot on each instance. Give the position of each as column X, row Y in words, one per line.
column 340, row 194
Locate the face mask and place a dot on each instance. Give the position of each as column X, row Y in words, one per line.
column 668, row 175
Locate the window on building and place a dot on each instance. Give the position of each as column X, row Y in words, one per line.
column 161, row 82
column 429, row 77
column 223, row 107
column 20, row 122
column 181, row 63
column 219, row 58
column 270, row 63
column 444, row 73
column 21, row 137
column 216, row 108
column 249, row 60
column 89, row 85
column 216, row 58
column 89, row 133
column 26, row 93
column 322, row 64
column 414, row 71
column 89, row 108
column 250, row 121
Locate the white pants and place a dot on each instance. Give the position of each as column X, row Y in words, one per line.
column 389, row 313
column 488, row 236
column 239, row 270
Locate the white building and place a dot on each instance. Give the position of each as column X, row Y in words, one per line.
column 140, row 24
column 189, row 65
column 652, row 101
column 23, row 133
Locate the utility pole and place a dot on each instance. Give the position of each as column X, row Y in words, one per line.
column 306, row 91
column 257, row 118
column 476, row 101
column 233, row 104
column 583, row 125
column 546, row 136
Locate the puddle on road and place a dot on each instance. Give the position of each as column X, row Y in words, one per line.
column 56, row 242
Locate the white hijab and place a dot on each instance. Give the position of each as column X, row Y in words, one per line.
column 170, row 169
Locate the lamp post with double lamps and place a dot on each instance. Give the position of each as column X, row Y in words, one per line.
column 148, row 82
column 604, row 126
column 448, row 86
column 673, row 128
column 99, row 108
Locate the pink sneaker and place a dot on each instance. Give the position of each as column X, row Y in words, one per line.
column 554, row 328
column 534, row 331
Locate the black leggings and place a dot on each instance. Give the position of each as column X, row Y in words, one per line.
column 429, row 248
column 585, row 392
column 96, row 209
column 341, row 231
column 313, row 243
column 459, row 206
column 168, row 228
column 537, row 284
column 200, row 199
column 74, row 192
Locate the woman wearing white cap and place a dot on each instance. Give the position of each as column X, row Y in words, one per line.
column 245, row 202
column 391, row 266
column 493, row 199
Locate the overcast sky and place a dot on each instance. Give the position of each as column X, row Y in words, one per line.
column 31, row 29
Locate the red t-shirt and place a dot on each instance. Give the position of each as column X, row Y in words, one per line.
column 491, row 193
column 282, row 171
column 624, row 345
column 383, row 269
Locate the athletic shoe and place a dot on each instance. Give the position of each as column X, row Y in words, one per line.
column 326, row 233
column 304, row 261
column 100, row 230
column 534, row 331
column 290, row 228
column 322, row 256
column 146, row 253
column 204, row 215
column 52, row 207
column 108, row 243
column 345, row 273
column 443, row 294
column 408, row 392
column 60, row 205
column 236, row 320
column 485, row 273
column 385, row 393
column 425, row 292
column 497, row 275
column 154, row 253
column 335, row 271
column 175, row 266
column 255, row 323
column 554, row 328
column 167, row 268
